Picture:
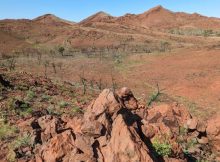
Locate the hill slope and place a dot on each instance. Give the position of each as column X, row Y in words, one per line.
column 141, row 32
column 161, row 18
column 46, row 121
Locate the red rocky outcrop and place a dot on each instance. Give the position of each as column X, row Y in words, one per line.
column 213, row 133
column 114, row 128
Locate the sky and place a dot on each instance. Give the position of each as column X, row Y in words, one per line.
column 77, row 10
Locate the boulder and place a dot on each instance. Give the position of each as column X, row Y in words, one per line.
column 148, row 130
column 84, row 143
column 174, row 160
column 181, row 113
column 213, row 132
column 92, row 128
column 75, row 123
column 125, row 144
column 127, row 98
column 56, row 148
column 192, row 123
column 203, row 140
column 106, row 102
column 50, row 126
column 201, row 127
column 166, row 114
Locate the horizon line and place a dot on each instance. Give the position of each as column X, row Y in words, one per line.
column 54, row 14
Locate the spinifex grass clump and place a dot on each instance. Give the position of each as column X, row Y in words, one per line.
column 15, row 146
column 162, row 148
column 6, row 130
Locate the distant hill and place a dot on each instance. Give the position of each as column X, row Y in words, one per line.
column 98, row 17
column 161, row 18
column 52, row 19
column 135, row 31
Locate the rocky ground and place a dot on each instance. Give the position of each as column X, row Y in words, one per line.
column 47, row 121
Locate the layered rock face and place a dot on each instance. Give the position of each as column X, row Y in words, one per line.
column 115, row 128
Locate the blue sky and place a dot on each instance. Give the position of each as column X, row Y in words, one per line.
column 76, row 10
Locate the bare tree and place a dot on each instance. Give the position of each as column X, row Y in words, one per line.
column 83, row 81
column 39, row 57
column 91, row 82
column 164, row 46
column 114, row 84
column 11, row 63
column 61, row 50
column 154, row 96
column 46, row 65
column 99, row 84
column 54, row 67
column 59, row 64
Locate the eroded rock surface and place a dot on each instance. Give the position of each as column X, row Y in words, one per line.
column 213, row 133
column 115, row 128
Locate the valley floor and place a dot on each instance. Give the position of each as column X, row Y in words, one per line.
column 191, row 77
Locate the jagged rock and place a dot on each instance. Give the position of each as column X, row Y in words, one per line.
column 56, row 148
column 164, row 121
column 201, row 127
column 203, row 140
column 193, row 150
column 36, row 137
column 160, row 112
column 148, row 130
column 127, row 97
column 174, row 160
column 106, row 102
column 194, row 134
column 153, row 117
column 74, row 156
column 93, row 128
column 181, row 113
column 101, row 113
column 192, row 123
column 171, row 116
column 125, row 144
column 141, row 112
column 103, row 140
column 50, row 127
column 74, row 123
column 115, row 129
column 213, row 133
column 84, row 143
column 159, row 129
column 43, row 121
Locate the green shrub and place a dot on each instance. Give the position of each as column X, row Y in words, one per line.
column 162, row 148
column 53, row 111
column 6, row 130
column 182, row 131
column 191, row 143
column 26, row 112
column 63, row 104
column 45, row 97
column 22, row 141
column 20, row 107
column 30, row 95
column 76, row 110
column 118, row 59
column 164, row 46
